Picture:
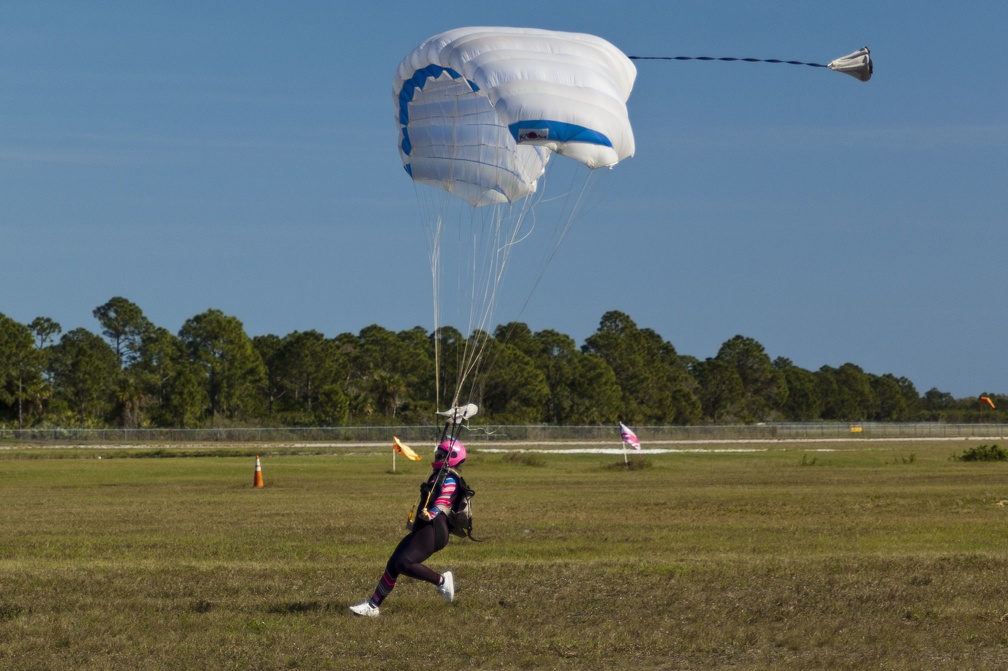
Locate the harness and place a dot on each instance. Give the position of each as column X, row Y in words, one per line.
column 459, row 515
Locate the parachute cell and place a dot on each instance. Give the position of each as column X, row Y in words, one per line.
column 480, row 110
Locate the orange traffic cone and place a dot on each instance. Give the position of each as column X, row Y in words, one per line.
column 257, row 482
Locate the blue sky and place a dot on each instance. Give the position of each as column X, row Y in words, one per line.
column 242, row 156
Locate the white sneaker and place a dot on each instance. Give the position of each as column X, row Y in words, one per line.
column 446, row 588
column 365, row 609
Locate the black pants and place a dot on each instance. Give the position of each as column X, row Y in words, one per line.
column 408, row 557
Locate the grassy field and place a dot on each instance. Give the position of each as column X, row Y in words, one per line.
column 867, row 556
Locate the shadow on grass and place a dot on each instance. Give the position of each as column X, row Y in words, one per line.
column 302, row 607
column 632, row 464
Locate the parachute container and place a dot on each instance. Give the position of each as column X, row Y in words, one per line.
column 857, row 64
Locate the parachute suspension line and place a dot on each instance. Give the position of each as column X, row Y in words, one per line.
column 481, row 256
column 434, row 250
column 502, row 229
column 431, row 204
column 573, row 197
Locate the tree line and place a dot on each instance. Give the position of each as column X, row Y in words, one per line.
column 135, row 374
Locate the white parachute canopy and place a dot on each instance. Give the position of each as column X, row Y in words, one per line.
column 480, row 109
column 857, row 64
column 481, row 113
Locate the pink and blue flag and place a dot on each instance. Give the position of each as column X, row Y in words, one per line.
column 629, row 437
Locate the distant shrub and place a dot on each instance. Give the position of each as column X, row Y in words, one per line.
column 524, row 459
column 983, row 453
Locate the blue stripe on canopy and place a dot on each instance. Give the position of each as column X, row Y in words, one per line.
column 556, row 131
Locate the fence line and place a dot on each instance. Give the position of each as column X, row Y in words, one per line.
column 498, row 433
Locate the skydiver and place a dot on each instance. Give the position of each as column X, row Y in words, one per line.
column 428, row 534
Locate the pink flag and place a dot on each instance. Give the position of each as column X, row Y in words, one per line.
column 629, row 437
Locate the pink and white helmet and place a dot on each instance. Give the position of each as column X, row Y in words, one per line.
column 453, row 449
